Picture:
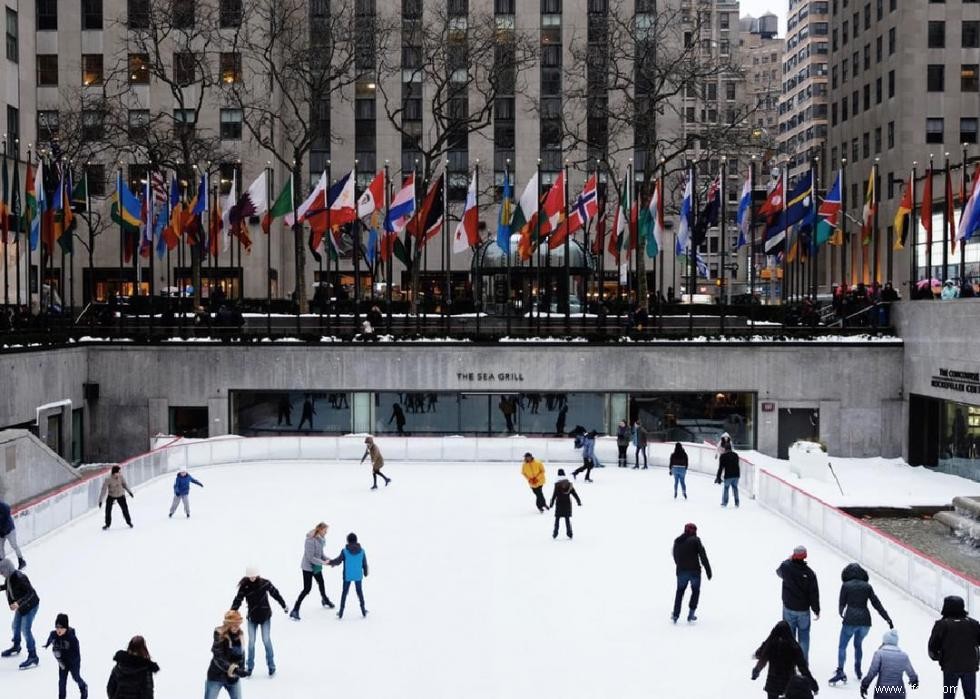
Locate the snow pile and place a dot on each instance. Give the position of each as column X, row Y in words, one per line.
column 543, row 339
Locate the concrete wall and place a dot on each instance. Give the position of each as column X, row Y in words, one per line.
column 855, row 384
column 28, row 467
column 30, row 379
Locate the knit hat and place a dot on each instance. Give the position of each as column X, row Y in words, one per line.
column 233, row 617
column 251, row 572
column 61, row 620
column 528, row 455
column 690, row 528
column 352, row 538
column 890, row 637
column 799, row 553
column 561, row 472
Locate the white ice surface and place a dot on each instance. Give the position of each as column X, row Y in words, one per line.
column 468, row 595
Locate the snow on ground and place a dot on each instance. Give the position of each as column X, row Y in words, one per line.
column 468, row 594
column 874, row 482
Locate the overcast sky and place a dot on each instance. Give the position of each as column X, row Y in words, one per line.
column 757, row 8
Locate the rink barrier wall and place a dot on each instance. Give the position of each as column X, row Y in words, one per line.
column 912, row 571
column 42, row 515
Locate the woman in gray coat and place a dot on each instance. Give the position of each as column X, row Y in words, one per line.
column 890, row 664
column 312, row 565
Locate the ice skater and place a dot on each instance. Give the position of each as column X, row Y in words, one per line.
column 284, row 411
column 855, row 593
column 182, row 490
column 677, row 467
column 689, row 556
column 800, row 594
column 255, row 591
column 23, row 602
column 589, row 460
column 890, row 664
column 640, row 436
column 622, row 442
column 562, row 494
column 954, row 643
column 132, row 675
column 782, row 654
column 355, row 570
column 724, row 442
column 115, row 487
column 377, row 461
column 309, row 410
column 227, row 658
column 398, row 417
column 8, row 533
column 729, row 470
column 65, row 648
column 312, row 567
column 533, row 471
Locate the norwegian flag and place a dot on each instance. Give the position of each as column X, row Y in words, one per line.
column 585, row 209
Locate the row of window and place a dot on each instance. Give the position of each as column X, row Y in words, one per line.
column 93, row 126
column 187, row 68
column 855, row 101
column 182, row 14
column 936, row 77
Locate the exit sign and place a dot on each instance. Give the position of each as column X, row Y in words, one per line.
column 768, row 407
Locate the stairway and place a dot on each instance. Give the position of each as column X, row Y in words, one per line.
column 964, row 520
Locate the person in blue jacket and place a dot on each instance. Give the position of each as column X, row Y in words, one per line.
column 589, row 460
column 355, row 570
column 68, row 654
column 182, row 489
column 8, row 532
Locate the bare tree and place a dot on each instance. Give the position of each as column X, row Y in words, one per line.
column 652, row 88
column 299, row 56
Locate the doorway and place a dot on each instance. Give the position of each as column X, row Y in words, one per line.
column 796, row 424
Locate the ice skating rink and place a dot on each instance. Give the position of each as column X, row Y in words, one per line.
column 468, row 594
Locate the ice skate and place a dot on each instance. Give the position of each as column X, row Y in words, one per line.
column 31, row 661
column 839, row 676
column 10, row 652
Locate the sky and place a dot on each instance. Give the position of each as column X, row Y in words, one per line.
column 757, row 8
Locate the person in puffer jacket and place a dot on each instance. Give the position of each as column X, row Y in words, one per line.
column 855, row 593
column 890, row 664
column 783, row 655
column 23, row 601
column 954, row 644
column 182, row 490
column 562, row 494
column 65, row 648
column 355, row 570
column 227, row 658
column 132, row 676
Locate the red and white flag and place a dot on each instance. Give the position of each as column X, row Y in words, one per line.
column 585, row 209
column 467, row 232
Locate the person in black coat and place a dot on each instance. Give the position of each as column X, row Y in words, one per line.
column 8, row 533
column 782, row 654
column 132, row 676
column 678, row 468
column 398, row 416
column 256, row 591
column 855, row 593
column 64, row 647
column 800, row 594
column 23, row 601
column 954, row 645
column 730, row 471
column 563, row 493
column 227, row 657
column 689, row 556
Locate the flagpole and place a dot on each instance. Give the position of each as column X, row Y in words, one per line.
column 784, row 290
column 964, row 194
column 71, row 261
column 750, row 258
column 661, row 202
column 601, row 285
column 6, row 220
column 913, row 239
column 628, row 248
column 447, row 293
column 946, row 228
column 842, row 223
column 538, row 296
column 723, row 175
column 876, row 236
column 929, row 230
column 355, row 231
column 268, row 251
column 568, row 269
column 18, row 222
column 814, row 257
column 692, row 255
column 389, row 264
column 508, row 251
column 477, row 250
column 122, row 238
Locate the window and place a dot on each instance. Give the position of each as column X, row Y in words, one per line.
column 231, row 124
column 229, row 171
column 47, row 15
column 138, row 122
column 231, row 68
column 503, row 7
column 878, row 140
column 93, row 124
column 13, row 122
column 971, row 35
column 230, row 13
column 855, row 150
column 867, row 97
column 185, row 68
column 937, row 35
column 891, row 41
column 878, row 91
column 139, row 69
column 968, row 130
column 184, row 121
column 96, row 179
column 935, row 78
column 182, row 14
column 934, row 130
column 13, row 48
column 138, row 14
column 969, row 81
column 891, row 135
column 729, row 91
column 48, row 125
column 550, row 7
column 91, row 14
column 845, row 32
column 92, row 69
column 891, row 84
column 866, row 145
column 878, row 50
column 47, row 69
column 867, row 56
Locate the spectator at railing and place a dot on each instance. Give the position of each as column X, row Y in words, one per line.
column 967, row 291
column 950, row 291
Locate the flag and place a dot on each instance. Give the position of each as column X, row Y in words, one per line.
column 868, row 212
column 951, row 211
column 253, row 202
column 30, row 197
column 128, row 207
column 15, row 210
column 281, row 207
column 744, row 215
column 926, row 208
column 553, row 206
column 215, row 226
column 467, row 234
column 687, row 212
column 373, row 197
column 600, row 231
column 525, row 218
column 799, row 203
column 4, row 198
column 171, row 232
column 64, row 229
column 226, row 210
column 970, row 216
column 340, row 208
column 617, row 232
column 316, row 198
column 162, row 215
column 585, row 208
column 773, row 205
column 505, row 215
column 372, row 247
column 36, row 203
column 904, row 209
column 655, row 243
column 427, row 222
column 401, row 209
column 828, row 214
column 709, row 214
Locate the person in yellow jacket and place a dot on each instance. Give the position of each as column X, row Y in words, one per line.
column 533, row 471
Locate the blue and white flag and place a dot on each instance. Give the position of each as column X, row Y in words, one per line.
column 744, row 213
column 687, row 211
